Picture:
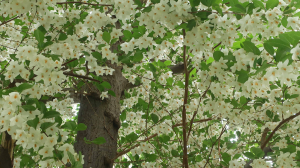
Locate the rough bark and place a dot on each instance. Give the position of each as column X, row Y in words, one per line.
column 102, row 120
column 6, row 151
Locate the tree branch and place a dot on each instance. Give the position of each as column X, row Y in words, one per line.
column 200, row 121
column 10, row 20
column 185, row 157
column 61, row 3
column 278, row 126
column 128, row 150
column 79, row 76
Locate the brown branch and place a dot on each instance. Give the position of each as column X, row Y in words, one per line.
column 216, row 45
column 185, row 158
column 217, row 12
column 278, row 126
column 9, row 20
column 79, row 76
column 131, row 161
column 195, row 113
column 222, row 132
column 61, row 3
column 200, row 121
column 264, row 135
column 71, row 60
column 128, row 150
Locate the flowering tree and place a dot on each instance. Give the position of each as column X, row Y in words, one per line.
column 160, row 83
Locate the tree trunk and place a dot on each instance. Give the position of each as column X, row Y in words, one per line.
column 6, row 150
column 102, row 120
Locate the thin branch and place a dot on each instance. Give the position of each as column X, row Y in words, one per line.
column 79, row 76
column 3, row 23
column 195, row 113
column 278, row 126
column 128, row 150
column 73, row 2
column 200, row 121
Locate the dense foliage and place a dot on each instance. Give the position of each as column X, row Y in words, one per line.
column 215, row 82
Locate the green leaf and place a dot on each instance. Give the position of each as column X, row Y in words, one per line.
column 112, row 93
column 99, row 141
column 269, row 114
column 58, row 120
column 28, row 107
column 39, row 36
column 249, row 155
column 281, row 54
column 242, row 76
column 257, row 152
column 71, row 125
column 284, row 21
column 258, row 3
column 82, row 40
column 264, row 66
column 164, row 138
column 226, row 157
column 209, row 60
column 132, row 137
column 154, row 118
column 290, row 37
column 106, row 85
column 174, row 153
column 33, row 123
column 168, row 62
column 23, row 87
column 82, row 60
column 236, row 156
column 127, row 34
column 250, row 47
column 51, row 114
column 42, row 29
column 100, row 46
column 217, row 55
column 269, row 48
column 238, row 8
column 278, row 43
column 243, row 100
column 87, row 141
column 152, row 67
column 191, row 24
column 41, row 106
column 62, row 37
column 71, row 157
column 142, row 29
column 271, row 4
column 194, row 3
column 123, row 116
column 81, row 127
column 170, row 81
column 138, row 56
column 46, row 125
column 97, row 55
column 150, row 157
column 106, row 37
column 289, row 148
